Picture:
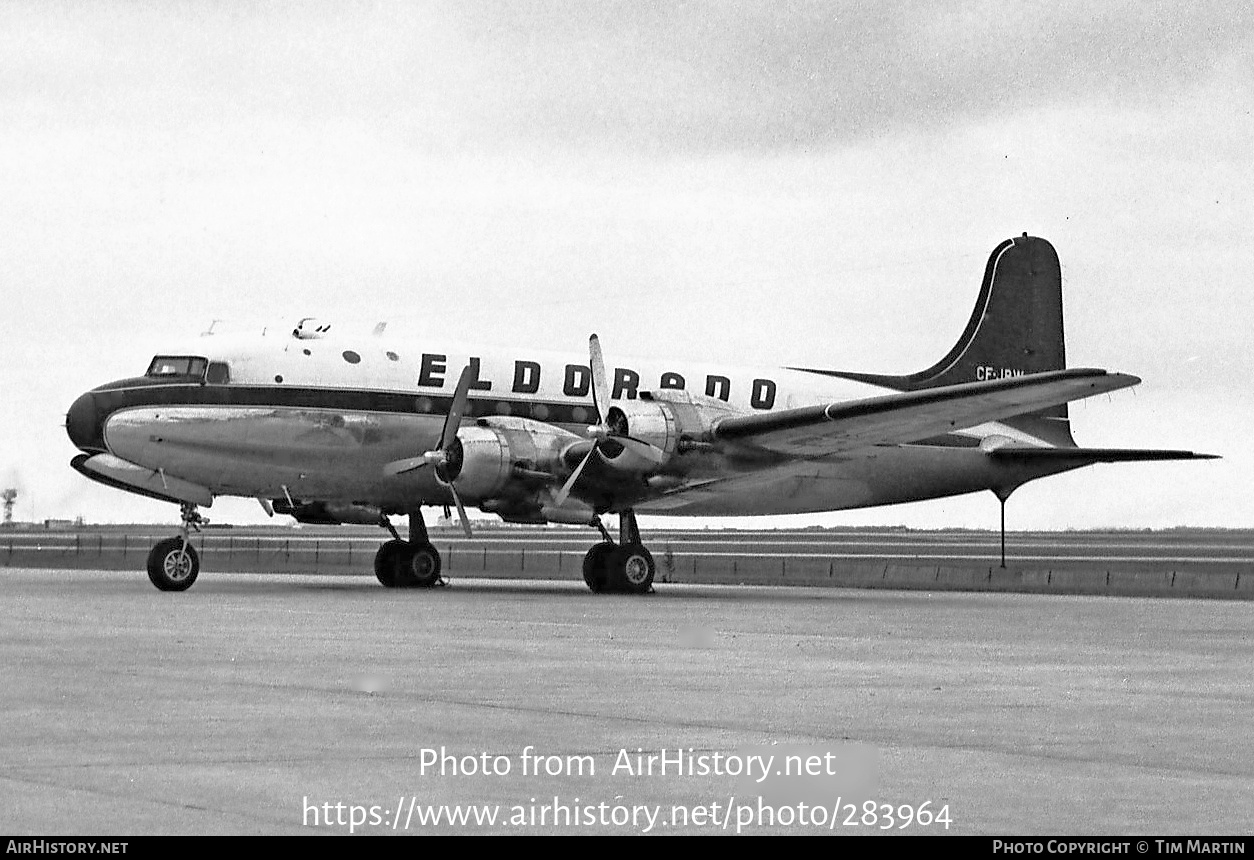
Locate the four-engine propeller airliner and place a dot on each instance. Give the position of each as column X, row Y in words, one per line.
column 334, row 430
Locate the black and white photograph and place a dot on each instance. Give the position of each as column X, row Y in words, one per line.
column 538, row 417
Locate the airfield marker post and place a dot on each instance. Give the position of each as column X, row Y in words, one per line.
column 1003, row 532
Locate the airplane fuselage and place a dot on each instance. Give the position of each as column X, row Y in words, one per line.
column 283, row 417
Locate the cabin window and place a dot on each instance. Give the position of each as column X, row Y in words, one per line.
column 177, row 365
column 219, row 373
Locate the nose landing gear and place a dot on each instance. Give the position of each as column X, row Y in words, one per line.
column 173, row 563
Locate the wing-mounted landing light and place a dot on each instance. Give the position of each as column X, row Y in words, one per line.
column 610, row 431
column 447, row 458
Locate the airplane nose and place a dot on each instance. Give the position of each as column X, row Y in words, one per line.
column 82, row 423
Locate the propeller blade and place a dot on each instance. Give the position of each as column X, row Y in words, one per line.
column 560, row 498
column 400, row 467
column 640, row 448
column 448, row 433
column 597, row 364
column 460, row 397
column 461, row 511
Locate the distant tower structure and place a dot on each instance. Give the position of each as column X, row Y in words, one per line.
column 9, row 496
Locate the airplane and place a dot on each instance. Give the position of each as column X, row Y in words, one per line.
column 334, row 429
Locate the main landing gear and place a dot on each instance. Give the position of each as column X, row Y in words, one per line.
column 625, row 567
column 173, row 564
column 414, row 563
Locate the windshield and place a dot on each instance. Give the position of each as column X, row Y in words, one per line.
column 177, row 365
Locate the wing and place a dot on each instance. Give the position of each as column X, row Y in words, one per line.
column 817, row 431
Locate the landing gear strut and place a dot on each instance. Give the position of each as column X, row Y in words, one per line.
column 414, row 563
column 625, row 567
column 173, row 564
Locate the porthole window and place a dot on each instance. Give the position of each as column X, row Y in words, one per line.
column 423, row 404
column 540, row 412
column 307, row 352
column 502, row 408
column 393, row 356
column 351, row 357
column 278, row 379
column 579, row 413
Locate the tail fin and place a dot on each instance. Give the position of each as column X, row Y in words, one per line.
column 1015, row 329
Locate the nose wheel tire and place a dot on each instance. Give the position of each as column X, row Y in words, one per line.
column 173, row 565
column 400, row 564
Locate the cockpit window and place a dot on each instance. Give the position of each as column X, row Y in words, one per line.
column 219, row 373
column 177, row 365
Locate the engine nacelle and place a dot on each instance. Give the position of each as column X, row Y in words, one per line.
column 496, row 452
column 668, row 419
column 655, row 423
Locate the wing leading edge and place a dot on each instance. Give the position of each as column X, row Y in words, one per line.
column 816, row 431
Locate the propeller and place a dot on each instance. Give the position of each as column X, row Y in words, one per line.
column 604, row 432
column 449, row 452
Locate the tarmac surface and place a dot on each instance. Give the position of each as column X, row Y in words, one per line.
column 264, row 703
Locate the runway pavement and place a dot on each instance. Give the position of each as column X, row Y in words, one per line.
column 247, row 702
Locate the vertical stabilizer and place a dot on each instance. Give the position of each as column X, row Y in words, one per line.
column 1015, row 329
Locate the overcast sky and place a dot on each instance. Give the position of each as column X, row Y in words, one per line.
column 785, row 183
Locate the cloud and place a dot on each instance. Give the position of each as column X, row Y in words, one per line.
column 652, row 77
column 779, row 76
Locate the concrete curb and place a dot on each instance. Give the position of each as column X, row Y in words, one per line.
column 246, row 554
